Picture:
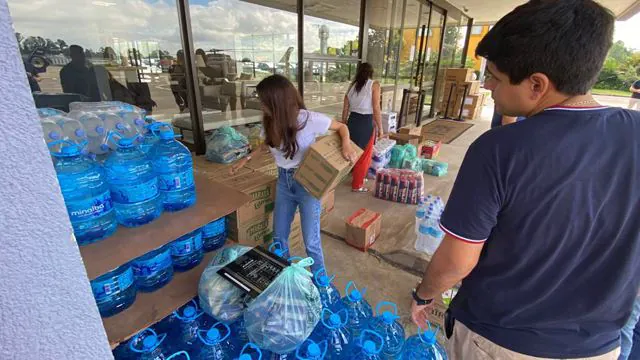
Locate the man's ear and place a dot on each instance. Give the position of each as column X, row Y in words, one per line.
column 540, row 85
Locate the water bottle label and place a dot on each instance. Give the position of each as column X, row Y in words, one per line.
column 436, row 233
column 187, row 246
column 104, row 289
column 92, row 208
column 176, row 181
column 213, row 228
column 134, row 193
column 150, row 266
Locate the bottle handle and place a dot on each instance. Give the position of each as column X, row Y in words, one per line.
column 186, row 355
column 383, row 304
column 349, row 285
column 251, row 345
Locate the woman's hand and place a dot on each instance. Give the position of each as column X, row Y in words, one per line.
column 238, row 165
column 348, row 153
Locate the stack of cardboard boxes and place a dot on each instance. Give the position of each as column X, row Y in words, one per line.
column 461, row 96
column 252, row 223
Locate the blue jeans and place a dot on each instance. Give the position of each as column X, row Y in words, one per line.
column 289, row 196
column 626, row 338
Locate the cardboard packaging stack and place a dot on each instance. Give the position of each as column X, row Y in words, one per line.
column 461, row 95
column 323, row 166
column 363, row 228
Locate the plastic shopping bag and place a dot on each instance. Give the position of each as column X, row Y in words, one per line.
column 218, row 296
column 283, row 316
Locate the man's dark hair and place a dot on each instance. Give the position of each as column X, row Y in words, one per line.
column 76, row 49
column 567, row 40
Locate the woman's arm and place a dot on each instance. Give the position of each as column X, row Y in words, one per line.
column 345, row 110
column 242, row 162
column 343, row 131
column 375, row 99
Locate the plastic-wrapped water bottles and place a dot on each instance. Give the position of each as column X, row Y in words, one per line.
column 187, row 251
column 214, row 234
column 367, row 347
column 114, row 291
column 215, row 343
column 51, row 130
column 135, row 119
column 133, row 184
column 386, row 324
column 420, row 212
column 359, row 309
column 424, row 346
column 174, row 166
column 147, row 345
column 334, row 331
column 153, row 270
column 185, row 333
column 86, row 194
column 96, row 133
column 149, row 138
column 329, row 294
column 72, row 129
column 430, row 235
column 47, row 112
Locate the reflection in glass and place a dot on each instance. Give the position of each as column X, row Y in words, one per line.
column 330, row 53
column 100, row 50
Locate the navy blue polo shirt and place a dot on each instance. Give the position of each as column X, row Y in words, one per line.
column 556, row 199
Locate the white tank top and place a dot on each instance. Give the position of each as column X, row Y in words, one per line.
column 360, row 102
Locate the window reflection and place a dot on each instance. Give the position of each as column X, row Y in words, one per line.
column 99, row 50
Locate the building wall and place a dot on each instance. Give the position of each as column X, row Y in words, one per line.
column 48, row 311
column 474, row 40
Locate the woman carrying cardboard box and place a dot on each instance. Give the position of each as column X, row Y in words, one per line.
column 289, row 130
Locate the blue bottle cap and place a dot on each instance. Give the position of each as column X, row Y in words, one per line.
column 189, row 311
column 138, row 122
column 213, row 335
column 356, row 295
column 53, row 135
column 149, row 342
column 388, row 317
column 323, row 280
column 334, row 320
column 314, row 350
column 245, row 357
column 99, row 129
column 369, row 347
column 428, row 337
column 79, row 133
column 125, row 143
column 120, row 126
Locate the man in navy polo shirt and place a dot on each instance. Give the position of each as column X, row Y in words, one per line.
column 543, row 222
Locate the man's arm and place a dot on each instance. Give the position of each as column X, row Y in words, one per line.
column 451, row 263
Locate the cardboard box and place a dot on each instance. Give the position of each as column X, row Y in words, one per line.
column 323, row 166
column 430, row 149
column 264, row 163
column 261, row 188
column 458, row 75
column 363, row 228
column 253, row 232
column 402, row 139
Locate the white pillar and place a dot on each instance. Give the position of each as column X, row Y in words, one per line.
column 46, row 303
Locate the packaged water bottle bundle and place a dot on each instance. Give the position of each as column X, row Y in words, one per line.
column 226, row 145
column 429, row 234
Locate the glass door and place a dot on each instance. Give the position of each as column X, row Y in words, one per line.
column 428, row 68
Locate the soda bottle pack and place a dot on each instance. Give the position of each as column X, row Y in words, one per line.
column 399, row 185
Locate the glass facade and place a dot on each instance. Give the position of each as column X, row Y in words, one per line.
column 133, row 51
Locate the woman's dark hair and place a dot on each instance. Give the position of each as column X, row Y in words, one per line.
column 566, row 40
column 364, row 73
column 282, row 103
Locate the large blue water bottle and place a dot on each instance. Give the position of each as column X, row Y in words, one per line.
column 214, row 234
column 386, row 324
column 335, row 332
column 250, row 352
column 185, row 334
column 368, row 347
column 186, row 251
column 86, row 193
column 133, row 184
column 309, row 350
column 239, row 331
column 149, row 138
column 174, row 166
column 329, row 294
column 359, row 309
column 153, row 270
column 114, row 291
column 215, row 343
column 147, row 345
column 424, row 346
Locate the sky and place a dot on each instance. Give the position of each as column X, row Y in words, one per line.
column 222, row 24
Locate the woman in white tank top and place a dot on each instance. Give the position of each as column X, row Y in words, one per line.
column 361, row 108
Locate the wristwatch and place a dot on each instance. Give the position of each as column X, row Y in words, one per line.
column 420, row 301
